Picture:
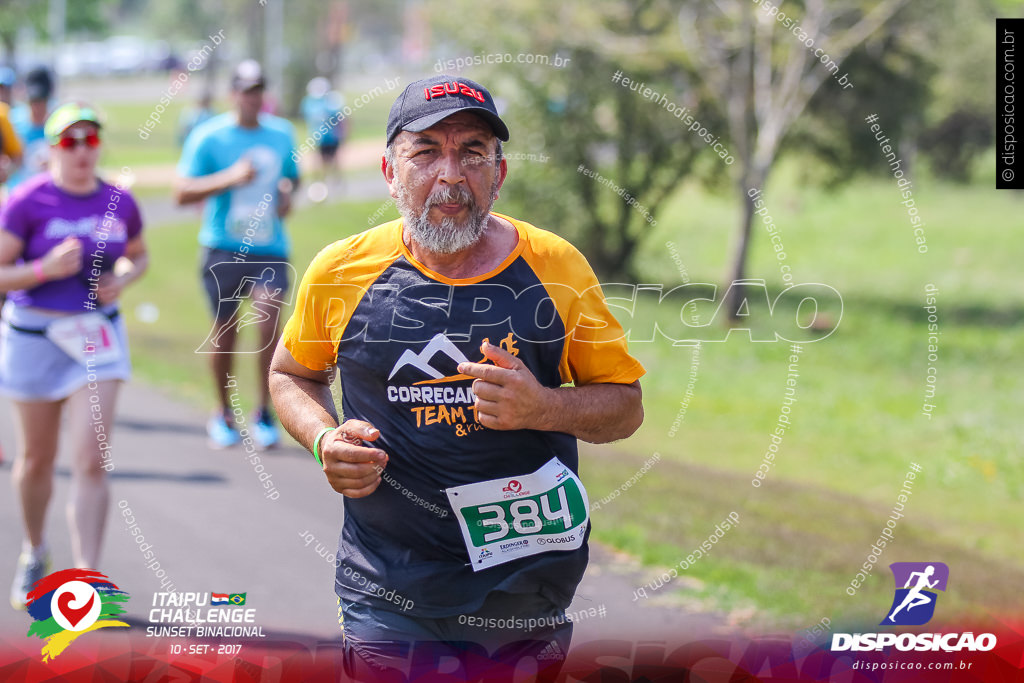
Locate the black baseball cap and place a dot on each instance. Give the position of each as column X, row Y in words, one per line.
column 425, row 102
column 38, row 84
column 248, row 75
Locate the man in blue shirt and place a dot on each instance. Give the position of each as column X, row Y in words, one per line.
column 323, row 108
column 190, row 119
column 28, row 121
column 242, row 161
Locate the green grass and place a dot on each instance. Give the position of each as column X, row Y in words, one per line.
column 856, row 425
column 122, row 145
column 367, row 122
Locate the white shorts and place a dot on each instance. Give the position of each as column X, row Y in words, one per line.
column 33, row 368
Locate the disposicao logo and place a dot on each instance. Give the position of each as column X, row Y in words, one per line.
column 72, row 602
column 913, row 605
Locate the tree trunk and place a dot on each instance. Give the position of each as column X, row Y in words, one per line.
column 251, row 16
column 753, row 180
column 9, row 40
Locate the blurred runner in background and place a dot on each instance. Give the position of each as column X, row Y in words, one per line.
column 10, row 148
column 10, row 143
column 29, row 121
column 321, row 108
column 65, row 257
column 193, row 116
column 7, row 80
column 242, row 161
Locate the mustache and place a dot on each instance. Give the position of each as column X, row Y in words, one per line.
column 449, row 195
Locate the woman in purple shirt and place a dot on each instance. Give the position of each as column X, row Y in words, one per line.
column 69, row 243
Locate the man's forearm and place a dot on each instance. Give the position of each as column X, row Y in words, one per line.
column 304, row 406
column 192, row 190
column 597, row 413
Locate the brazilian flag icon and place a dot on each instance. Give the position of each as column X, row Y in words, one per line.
column 237, row 598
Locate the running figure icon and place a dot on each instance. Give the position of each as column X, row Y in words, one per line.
column 915, row 597
column 248, row 288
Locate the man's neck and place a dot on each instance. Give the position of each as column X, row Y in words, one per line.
column 495, row 244
column 38, row 111
column 248, row 123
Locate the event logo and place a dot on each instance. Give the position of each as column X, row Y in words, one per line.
column 514, row 489
column 914, row 603
column 71, row 602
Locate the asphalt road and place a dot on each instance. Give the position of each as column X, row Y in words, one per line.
column 213, row 529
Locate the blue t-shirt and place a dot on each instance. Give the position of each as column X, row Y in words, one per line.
column 244, row 216
column 323, row 112
column 190, row 120
column 35, row 148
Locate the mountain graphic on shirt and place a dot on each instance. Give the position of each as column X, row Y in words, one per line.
column 421, row 360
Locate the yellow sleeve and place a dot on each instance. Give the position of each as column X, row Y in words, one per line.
column 333, row 285
column 595, row 350
column 12, row 144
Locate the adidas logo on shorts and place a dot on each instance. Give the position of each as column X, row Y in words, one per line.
column 552, row 651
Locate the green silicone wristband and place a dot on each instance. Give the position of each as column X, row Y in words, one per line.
column 316, row 444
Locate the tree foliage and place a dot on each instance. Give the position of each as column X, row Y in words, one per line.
column 571, row 122
column 88, row 16
column 748, row 76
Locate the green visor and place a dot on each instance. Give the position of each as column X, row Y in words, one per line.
column 65, row 116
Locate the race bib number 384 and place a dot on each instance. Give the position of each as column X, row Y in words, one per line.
column 505, row 519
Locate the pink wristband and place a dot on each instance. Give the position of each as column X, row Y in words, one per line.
column 37, row 269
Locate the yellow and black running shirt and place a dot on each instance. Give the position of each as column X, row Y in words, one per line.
column 396, row 331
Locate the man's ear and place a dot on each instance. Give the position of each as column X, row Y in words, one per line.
column 389, row 175
column 502, row 172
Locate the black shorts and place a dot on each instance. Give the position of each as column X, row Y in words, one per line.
column 329, row 151
column 228, row 282
column 507, row 633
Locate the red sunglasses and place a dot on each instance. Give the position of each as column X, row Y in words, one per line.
column 72, row 141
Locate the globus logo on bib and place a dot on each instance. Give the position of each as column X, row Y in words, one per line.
column 913, row 604
column 556, row 539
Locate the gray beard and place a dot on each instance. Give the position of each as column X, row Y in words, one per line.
column 448, row 237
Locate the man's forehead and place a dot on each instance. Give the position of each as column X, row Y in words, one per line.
column 460, row 123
